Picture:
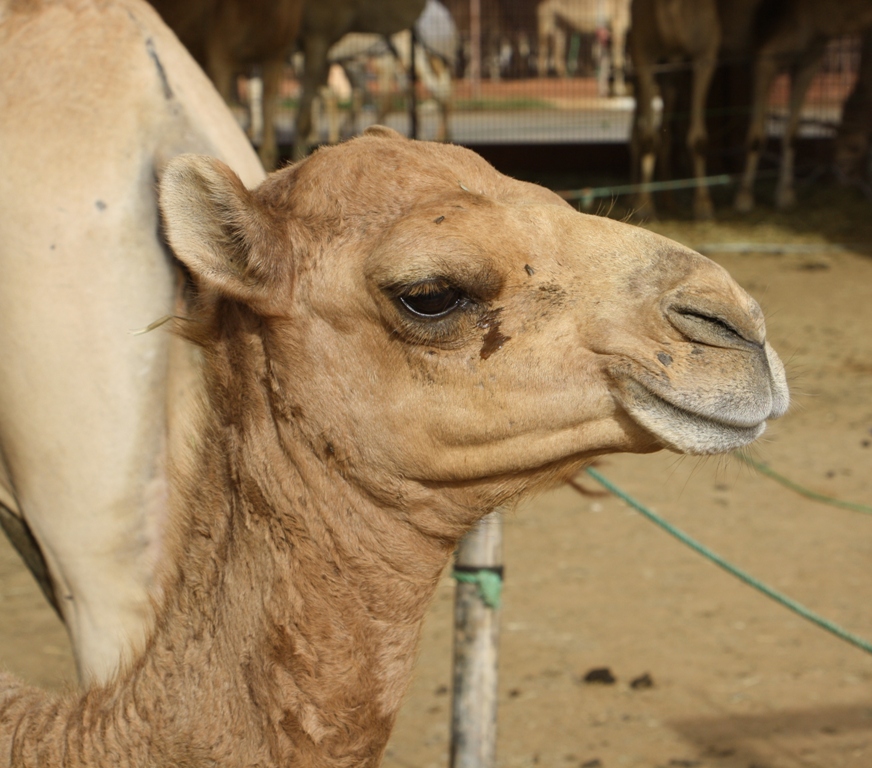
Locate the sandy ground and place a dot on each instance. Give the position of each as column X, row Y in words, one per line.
column 738, row 681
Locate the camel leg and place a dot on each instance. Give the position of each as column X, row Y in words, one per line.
column 386, row 74
column 619, row 42
column 221, row 73
column 668, row 86
column 314, row 76
column 560, row 52
column 357, row 78
column 644, row 141
column 220, row 70
column 331, row 112
column 442, row 94
column 697, row 136
column 785, row 196
column 358, row 101
column 272, row 78
column 604, row 67
column 544, row 44
column 436, row 76
column 765, row 70
column 255, row 110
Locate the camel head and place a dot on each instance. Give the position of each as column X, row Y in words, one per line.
column 426, row 318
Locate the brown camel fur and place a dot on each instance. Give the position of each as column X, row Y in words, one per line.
column 397, row 339
column 96, row 96
column 794, row 39
column 228, row 37
column 666, row 34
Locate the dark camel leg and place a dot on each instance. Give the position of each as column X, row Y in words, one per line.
column 619, row 65
column 272, row 79
column 785, row 196
column 697, row 136
column 765, row 70
column 644, row 140
column 314, row 76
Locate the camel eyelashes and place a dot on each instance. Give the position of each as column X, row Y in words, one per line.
column 432, row 299
column 709, row 329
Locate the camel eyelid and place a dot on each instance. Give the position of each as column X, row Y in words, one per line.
column 432, row 299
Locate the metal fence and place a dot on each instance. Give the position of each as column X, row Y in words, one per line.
column 506, row 104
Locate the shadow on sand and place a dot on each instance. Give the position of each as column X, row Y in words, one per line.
column 829, row 736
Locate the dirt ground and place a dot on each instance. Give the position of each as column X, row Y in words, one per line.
column 736, row 680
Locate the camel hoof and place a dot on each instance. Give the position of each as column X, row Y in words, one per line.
column 744, row 201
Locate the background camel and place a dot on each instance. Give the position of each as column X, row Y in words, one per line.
column 506, row 28
column 666, row 35
column 793, row 39
column 85, row 406
column 324, row 23
column 384, row 364
column 607, row 18
column 853, row 136
column 436, row 48
column 228, row 37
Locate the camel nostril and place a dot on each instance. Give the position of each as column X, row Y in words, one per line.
column 713, row 328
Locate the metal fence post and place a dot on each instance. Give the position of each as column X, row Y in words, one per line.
column 479, row 572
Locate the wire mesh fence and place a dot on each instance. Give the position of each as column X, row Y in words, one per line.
column 522, row 88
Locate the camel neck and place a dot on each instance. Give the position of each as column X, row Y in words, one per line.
column 305, row 593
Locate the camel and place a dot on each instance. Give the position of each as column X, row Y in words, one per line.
column 324, row 23
column 590, row 17
column 87, row 408
column 397, row 339
column 227, row 37
column 504, row 41
column 436, row 44
column 795, row 39
column 667, row 33
column 852, row 141
column 492, row 32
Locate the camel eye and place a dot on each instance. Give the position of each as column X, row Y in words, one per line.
column 431, row 300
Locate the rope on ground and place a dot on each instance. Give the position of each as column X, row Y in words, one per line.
column 787, row 602
column 589, row 194
column 787, row 483
column 779, row 249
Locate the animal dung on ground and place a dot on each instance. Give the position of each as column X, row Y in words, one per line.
column 600, row 676
column 642, row 682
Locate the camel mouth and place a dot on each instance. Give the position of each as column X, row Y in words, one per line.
column 683, row 430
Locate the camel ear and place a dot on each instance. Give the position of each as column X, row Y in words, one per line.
column 218, row 230
column 382, row 131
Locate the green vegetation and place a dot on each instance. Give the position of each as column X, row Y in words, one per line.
column 517, row 103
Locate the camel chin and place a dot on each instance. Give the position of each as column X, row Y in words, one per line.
column 688, row 425
column 683, row 430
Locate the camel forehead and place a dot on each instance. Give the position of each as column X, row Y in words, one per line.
column 376, row 173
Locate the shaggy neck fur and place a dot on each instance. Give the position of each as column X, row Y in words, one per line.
column 287, row 633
